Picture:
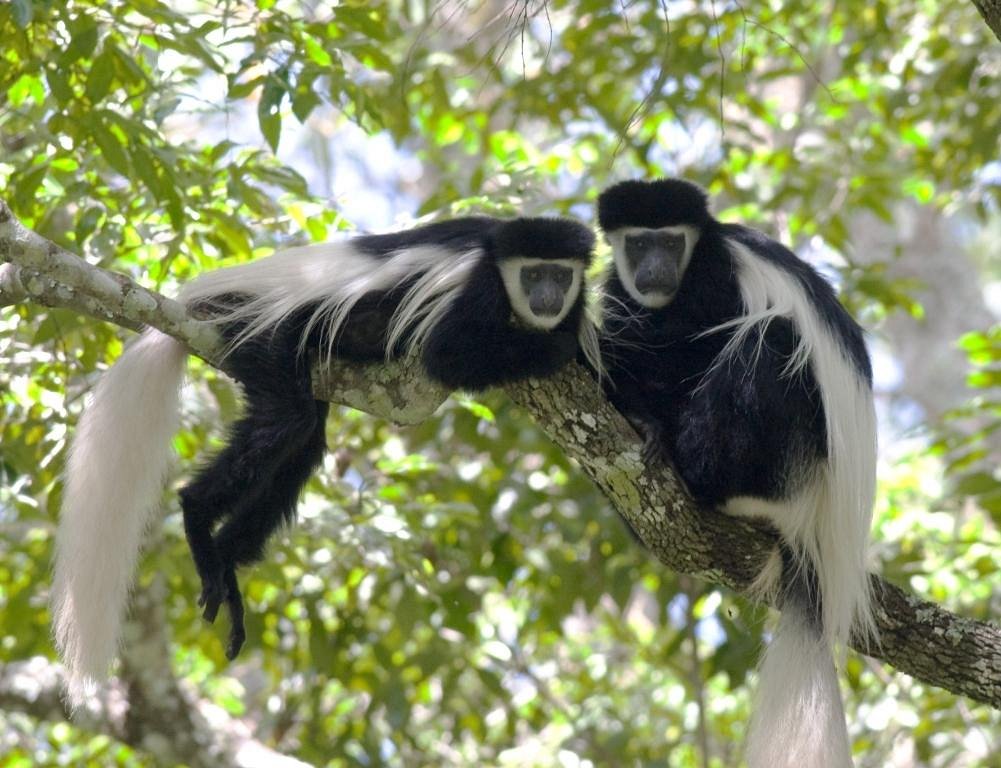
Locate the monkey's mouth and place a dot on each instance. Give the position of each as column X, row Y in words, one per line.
column 545, row 308
column 656, row 298
column 659, row 292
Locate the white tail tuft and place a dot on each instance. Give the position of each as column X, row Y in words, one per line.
column 798, row 721
column 114, row 480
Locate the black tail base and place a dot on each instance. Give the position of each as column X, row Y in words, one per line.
column 801, row 588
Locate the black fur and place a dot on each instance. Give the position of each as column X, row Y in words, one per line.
column 542, row 239
column 735, row 430
column 477, row 345
column 455, row 235
column 652, row 204
column 740, row 426
column 252, row 486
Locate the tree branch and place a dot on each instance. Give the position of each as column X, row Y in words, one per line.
column 918, row 637
column 991, row 11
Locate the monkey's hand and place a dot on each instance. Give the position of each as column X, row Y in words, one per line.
column 654, row 443
column 479, row 356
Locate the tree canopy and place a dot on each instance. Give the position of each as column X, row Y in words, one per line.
column 458, row 592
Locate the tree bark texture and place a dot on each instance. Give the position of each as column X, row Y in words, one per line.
column 991, row 11
column 917, row 637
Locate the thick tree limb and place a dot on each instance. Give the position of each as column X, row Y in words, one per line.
column 991, row 11
column 917, row 637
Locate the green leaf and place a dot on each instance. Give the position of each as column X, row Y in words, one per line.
column 111, row 149
column 146, row 168
column 27, row 185
column 59, row 84
column 978, row 483
column 87, row 223
column 316, row 52
column 479, row 410
column 303, row 103
column 100, row 76
column 26, row 85
column 269, row 110
column 83, row 41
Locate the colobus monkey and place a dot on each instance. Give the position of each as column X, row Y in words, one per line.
column 744, row 371
column 482, row 301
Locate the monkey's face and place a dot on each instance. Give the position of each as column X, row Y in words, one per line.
column 651, row 262
column 541, row 291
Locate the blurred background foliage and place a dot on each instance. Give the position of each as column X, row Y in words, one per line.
column 456, row 593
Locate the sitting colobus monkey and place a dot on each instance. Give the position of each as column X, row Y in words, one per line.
column 743, row 370
column 482, row 301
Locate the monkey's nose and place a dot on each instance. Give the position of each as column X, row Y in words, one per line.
column 651, row 282
column 656, row 276
column 546, row 303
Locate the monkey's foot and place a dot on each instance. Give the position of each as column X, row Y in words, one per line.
column 214, row 593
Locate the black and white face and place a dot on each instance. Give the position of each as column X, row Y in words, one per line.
column 541, row 291
column 651, row 262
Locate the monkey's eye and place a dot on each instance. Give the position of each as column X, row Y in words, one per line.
column 640, row 241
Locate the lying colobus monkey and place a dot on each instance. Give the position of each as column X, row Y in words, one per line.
column 744, row 371
column 482, row 301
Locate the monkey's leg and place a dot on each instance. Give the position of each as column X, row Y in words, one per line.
column 243, row 537
column 273, row 430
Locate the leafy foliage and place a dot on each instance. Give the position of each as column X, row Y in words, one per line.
column 455, row 593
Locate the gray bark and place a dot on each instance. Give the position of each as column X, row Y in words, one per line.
column 918, row 637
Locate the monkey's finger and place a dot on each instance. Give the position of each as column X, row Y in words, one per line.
column 234, row 602
column 212, row 596
column 237, row 636
column 211, row 610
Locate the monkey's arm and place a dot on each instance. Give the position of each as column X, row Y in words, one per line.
column 482, row 355
column 475, row 346
column 623, row 389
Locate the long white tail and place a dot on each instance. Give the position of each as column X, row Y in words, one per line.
column 113, row 483
column 798, row 720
